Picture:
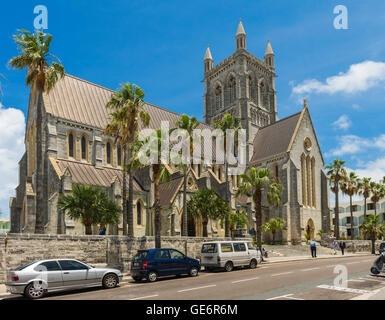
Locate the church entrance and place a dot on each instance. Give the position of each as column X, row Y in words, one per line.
column 310, row 229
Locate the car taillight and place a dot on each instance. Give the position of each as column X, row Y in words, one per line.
column 219, row 259
column 15, row 278
column 145, row 265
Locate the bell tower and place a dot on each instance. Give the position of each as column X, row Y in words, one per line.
column 242, row 85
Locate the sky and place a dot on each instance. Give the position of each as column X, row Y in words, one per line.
column 160, row 45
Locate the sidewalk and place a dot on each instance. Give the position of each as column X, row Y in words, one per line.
column 321, row 256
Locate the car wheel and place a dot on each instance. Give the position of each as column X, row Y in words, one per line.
column 229, row 266
column 253, row 264
column 110, row 281
column 374, row 270
column 193, row 272
column 152, row 276
column 34, row 291
column 137, row 279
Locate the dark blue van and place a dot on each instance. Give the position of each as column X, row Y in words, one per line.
column 154, row 263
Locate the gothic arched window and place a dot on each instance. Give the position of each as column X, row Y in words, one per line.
column 218, row 97
column 232, row 93
column 119, row 151
column 109, row 153
column 84, row 147
column 251, row 91
column 138, row 213
column 71, row 145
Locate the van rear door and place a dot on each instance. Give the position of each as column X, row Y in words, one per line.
column 209, row 254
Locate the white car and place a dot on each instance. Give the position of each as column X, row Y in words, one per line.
column 35, row 279
column 229, row 254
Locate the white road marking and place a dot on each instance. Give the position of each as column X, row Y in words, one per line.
column 309, row 269
column 245, row 280
column 355, row 262
column 155, row 295
column 378, row 280
column 281, row 274
column 331, row 266
column 324, row 286
column 212, row 285
column 288, row 296
column 357, row 280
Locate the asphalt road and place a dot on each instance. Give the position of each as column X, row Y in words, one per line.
column 299, row 280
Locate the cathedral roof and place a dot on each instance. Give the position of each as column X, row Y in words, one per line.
column 88, row 174
column 84, row 102
column 169, row 189
column 274, row 139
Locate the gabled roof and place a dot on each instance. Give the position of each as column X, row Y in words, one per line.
column 80, row 101
column 168, row 190
column 275, row 138
column 88, row 174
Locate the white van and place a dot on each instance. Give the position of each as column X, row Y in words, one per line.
column 229, row 254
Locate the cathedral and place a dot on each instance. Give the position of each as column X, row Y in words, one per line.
column 74, row 149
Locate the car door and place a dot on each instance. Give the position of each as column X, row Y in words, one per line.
column 75, row 273
column 51, row 273
column 163, row 262
column 179, row 262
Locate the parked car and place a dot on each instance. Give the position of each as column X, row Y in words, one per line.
column 154, row 263
column 229, row 254
column 36, row 278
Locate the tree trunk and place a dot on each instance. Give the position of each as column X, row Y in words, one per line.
column 130, row 209
column 124, row 195
column 227, row 222
column 351, row 220
column 205, row 223
column 375, row 208
column 365, row 208
column 184, row 214
column 336, row 215
column 88, row 229
column 39, row 222
column 373, row 244
column 273, row 232
column 158, row 221
column 258, row 216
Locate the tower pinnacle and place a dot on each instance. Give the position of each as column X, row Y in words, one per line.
column 240, row 37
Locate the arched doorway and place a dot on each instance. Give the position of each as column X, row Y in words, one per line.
column 310, row 228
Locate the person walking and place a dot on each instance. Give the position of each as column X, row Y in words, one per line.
column 342, row 246
column 335, row 245
column 313, row 249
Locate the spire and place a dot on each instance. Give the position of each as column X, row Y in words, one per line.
column 269, row 49
column 240, row 28
column 208, row 54
column 240, row 37
column 305, row 103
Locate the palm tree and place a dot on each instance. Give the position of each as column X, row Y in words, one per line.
column 126, row 105
column 188, row 124
column 143, row 152
column 364, row 190
column 253, row 184
column 336, row 171
column 228, row 122
column 274, row 225
column 207, row 205
column 90, row 205
column 371, row 228
column 43, row 71
column 349, row 186
column 378, row 192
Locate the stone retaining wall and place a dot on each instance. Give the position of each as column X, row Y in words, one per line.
column 352, row 245
column 113, row 251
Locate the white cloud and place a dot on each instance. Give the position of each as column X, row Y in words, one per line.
column 351, row 144
column 356, row 107
column 342, row 122
column 360, row 77
column 12, row 126
column 374, row 169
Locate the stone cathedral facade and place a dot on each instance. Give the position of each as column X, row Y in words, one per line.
column 74, row 149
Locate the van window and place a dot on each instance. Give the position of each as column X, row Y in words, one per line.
column 251, row 246
column 239, row 247
column 209, row 248
column 226, row 247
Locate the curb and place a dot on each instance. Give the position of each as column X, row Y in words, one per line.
column 323, row 257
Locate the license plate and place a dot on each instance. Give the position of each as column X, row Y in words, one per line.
column 136, row 264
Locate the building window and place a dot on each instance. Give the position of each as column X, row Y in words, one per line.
column 109, row 153
column 314, row 203
column 218, row 97
column 71, row 145
column 370, row 206
column 232, row 93
column 220, row 173
column 251, row 91
column 276, row 172
column 119, row 151
column 84, row 147
column 138, row 213
column 199, row 170
column 303, row 175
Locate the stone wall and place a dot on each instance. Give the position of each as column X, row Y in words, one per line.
column 351, row 245
column 113, row 251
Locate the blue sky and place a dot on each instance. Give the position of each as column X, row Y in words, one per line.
column 160, row 45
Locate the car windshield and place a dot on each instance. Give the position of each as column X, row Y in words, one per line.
column 141, row 255
column 23, row 267
column 209, row 248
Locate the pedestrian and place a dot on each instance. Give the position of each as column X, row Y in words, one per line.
column 335, row 245
column 102, row 232
column 342, row 246
column 313, row 249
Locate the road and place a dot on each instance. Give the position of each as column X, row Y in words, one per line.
column 299, row 280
